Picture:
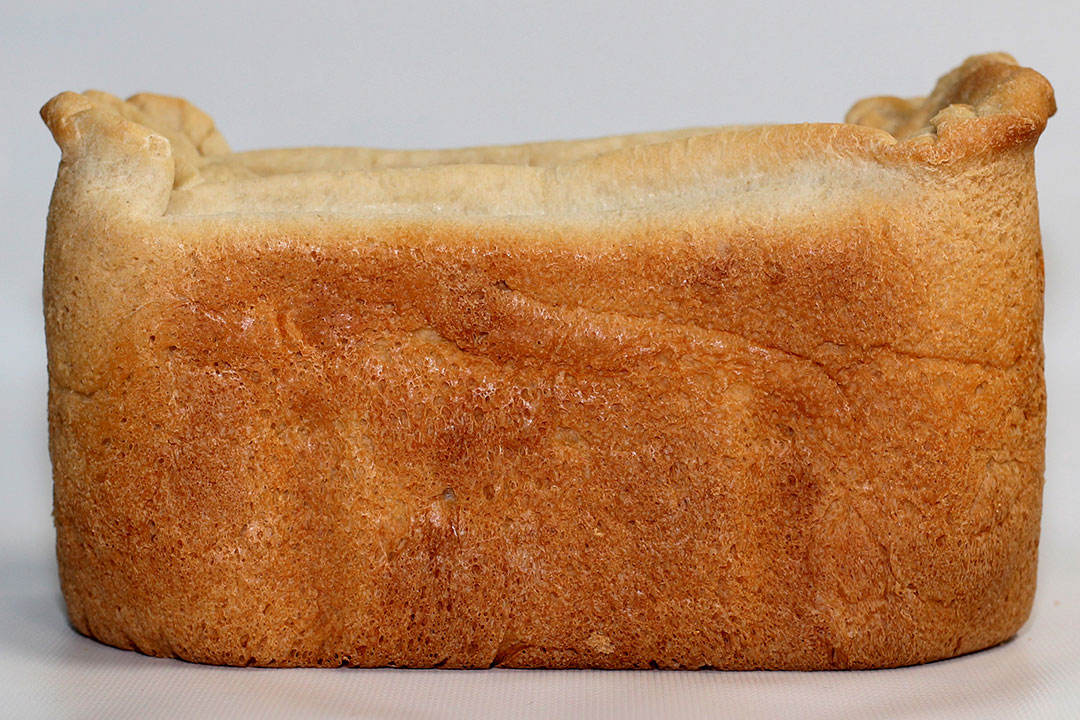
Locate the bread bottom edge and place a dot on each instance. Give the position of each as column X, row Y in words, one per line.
column 120, row 639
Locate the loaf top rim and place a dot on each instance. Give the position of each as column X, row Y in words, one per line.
column 174, row 153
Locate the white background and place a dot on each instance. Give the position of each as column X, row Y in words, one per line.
column 407, row 74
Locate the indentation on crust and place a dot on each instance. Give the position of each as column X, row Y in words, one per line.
column 508, row 648
column 290, row 334
column 87, row 393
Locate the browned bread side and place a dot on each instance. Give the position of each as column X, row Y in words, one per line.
column 763, row 397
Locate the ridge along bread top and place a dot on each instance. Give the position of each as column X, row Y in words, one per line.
column 734, row 397
column 986, row 106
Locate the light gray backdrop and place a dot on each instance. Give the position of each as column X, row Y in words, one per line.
column 442, row 74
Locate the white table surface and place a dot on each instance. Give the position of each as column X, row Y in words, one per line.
column 427, row 74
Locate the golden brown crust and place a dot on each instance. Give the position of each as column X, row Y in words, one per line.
column 799, row 426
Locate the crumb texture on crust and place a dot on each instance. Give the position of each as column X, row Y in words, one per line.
column 738, row 398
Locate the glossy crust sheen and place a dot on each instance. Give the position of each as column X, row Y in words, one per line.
column 742, row 398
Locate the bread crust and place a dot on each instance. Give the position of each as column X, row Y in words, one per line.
column 553, row 405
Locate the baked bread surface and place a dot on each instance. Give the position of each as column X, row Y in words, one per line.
column 750, row 397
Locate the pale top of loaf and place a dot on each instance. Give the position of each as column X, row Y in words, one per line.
column 176, row 164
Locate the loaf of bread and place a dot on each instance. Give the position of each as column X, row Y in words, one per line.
column 746, row 397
